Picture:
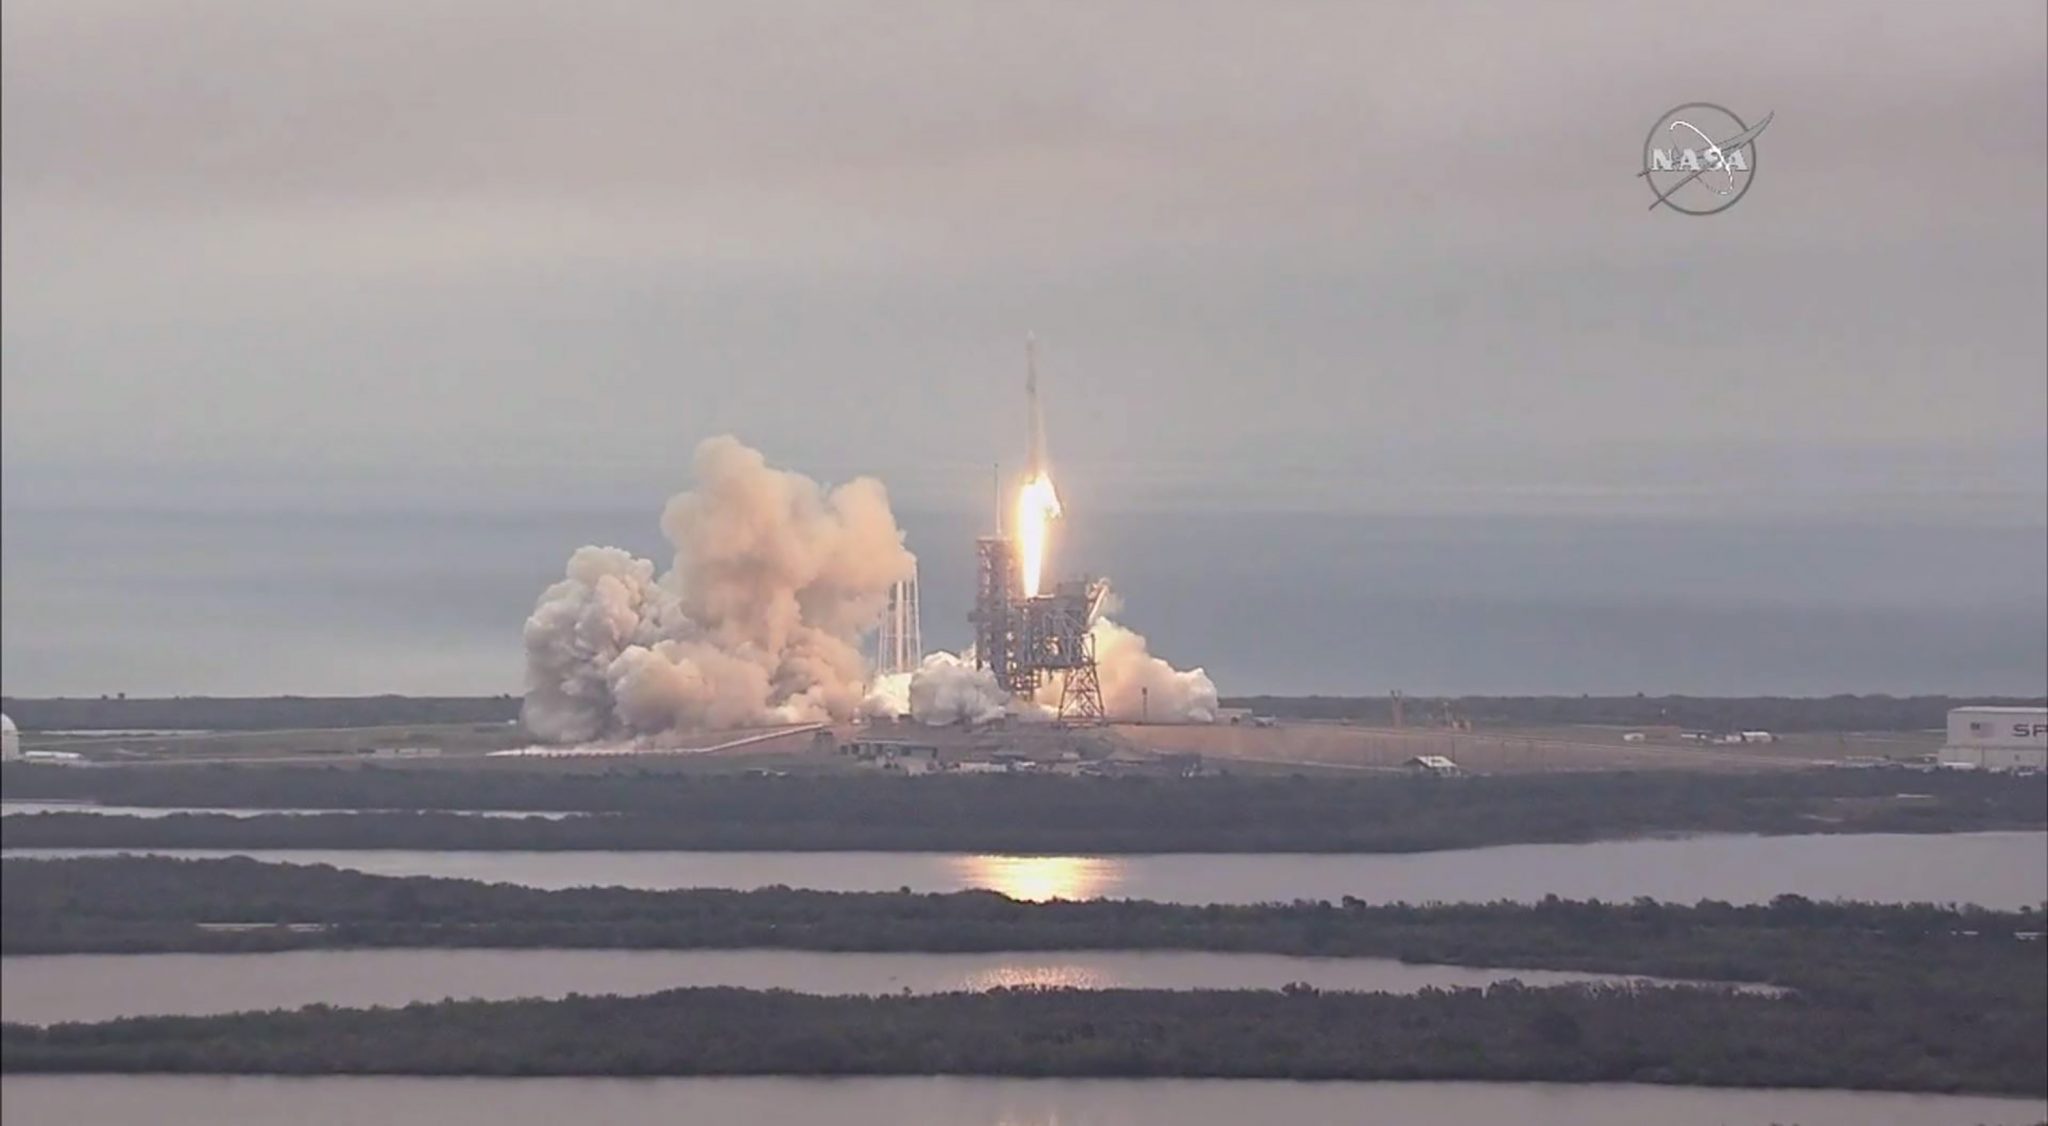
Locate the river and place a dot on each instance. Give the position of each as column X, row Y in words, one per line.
column 45, row 989
column 1993, row 869
column 162, row 1100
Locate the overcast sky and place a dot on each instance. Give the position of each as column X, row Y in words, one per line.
column 1360, row 256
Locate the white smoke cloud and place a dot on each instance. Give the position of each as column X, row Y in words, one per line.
column 888, row 696
column 1137, row 686
column 949, row 689
column 944, row 689
column 757, row 620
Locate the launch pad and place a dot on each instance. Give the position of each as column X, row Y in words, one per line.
column 1029, row 641
column 1029, row 633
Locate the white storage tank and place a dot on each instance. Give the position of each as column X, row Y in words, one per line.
column 10, row 740
column 1997, row 739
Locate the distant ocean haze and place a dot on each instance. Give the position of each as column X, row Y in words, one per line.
column 432, row 602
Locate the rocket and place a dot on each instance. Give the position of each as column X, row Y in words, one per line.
column 1038, row 503
column 1034, row 466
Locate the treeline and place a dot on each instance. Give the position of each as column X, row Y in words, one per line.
column 1707, row 713
column 1507, row 1033
column 1894, row 997
column 156, row 904
column 252, row 713
column 1031, row 814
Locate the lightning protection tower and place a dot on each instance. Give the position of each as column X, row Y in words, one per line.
column 899, row 644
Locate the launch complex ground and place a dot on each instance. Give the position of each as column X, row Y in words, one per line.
column 1305, row 747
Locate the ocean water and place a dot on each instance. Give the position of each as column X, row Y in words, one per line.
column 432, row 602
column 175, row 1100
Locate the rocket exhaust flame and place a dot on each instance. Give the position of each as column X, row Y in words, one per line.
column 1038, row 504
column 1037, row 507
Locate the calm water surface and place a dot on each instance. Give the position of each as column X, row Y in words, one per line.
column 49, row 988
column 1995, row 869
column 15, row 808
column 106, row 1100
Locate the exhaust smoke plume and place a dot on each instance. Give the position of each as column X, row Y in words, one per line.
column 757, row 620
column 1137, row 686
column 944, row 689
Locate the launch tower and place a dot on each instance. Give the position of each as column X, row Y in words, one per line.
column 1028, row 632
column 1030, row 641
column 1031, row 633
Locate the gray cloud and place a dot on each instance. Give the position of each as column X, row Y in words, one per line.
column 1291, row 255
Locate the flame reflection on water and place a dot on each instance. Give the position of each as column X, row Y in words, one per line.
column 1039, row 975
column 1040, row 878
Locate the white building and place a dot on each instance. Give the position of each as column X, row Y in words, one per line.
column 976, row 766
column 10, row 740
column 405, row 752
column 1997, row 739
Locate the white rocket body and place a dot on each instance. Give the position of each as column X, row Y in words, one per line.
column 1034, row 465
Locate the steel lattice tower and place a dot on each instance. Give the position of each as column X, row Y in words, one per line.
column 1028, row 642
column 899, row 643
